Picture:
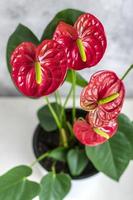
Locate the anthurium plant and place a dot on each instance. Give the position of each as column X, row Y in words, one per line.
column 97, row 133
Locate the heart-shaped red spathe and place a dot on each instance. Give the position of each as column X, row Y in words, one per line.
column 85, row 133
column 52, row 60
column 90, row 31
column 102, row 85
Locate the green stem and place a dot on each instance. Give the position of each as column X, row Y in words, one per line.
column 61, row 130
column 68, row 96
column 126, row 73
column 53, row 113
column 58, row 97
column 66, row 100
column 74, row 94
column 108, row 99
column 40, row 158
column 61, row 112
column 81, row 118
column 70, row 129
column 63, row 137
column 53, row 169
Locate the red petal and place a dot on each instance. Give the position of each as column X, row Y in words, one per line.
column 91, row 32
column 52, row 58
column 101, row 85
column 86, row 135
column 65, row 30
column 53, row 63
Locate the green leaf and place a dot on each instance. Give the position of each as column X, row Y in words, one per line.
column 112, row 157
column 15, row 186
column 69, row 16
column 55, row 186
column 126, row 127
column 21, row 34
column 58, row 154
column 80, row 81
column 46, row 119
column 77, row 161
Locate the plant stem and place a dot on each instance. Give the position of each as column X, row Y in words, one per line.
column 53, row 169
column 40, row 158
column 66, row 100
column 126, row 73
column 70, row 129
column 68, row 96
column 58, row 97
column 74, row 94
column 53, row 113
column 61, row 130
column 63, row 137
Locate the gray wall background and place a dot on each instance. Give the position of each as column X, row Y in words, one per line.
column 116, row 15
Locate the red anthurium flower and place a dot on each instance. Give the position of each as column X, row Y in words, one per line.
column 85, row 42
column 103, row 97
column 38, row 71
column 90, row 136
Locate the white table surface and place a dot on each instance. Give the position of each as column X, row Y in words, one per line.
column 17, row 124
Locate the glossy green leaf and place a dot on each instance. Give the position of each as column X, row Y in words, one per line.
column 77, row 161
column 21, row 34
column 80, row 81
column 15, row 186
column 69, row 16
column 45, row 117
column 58, row 154
column 112, row 157
column 55, row 186
column 126, row 127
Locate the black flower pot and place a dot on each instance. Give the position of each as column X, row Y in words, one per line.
column 44, row 141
